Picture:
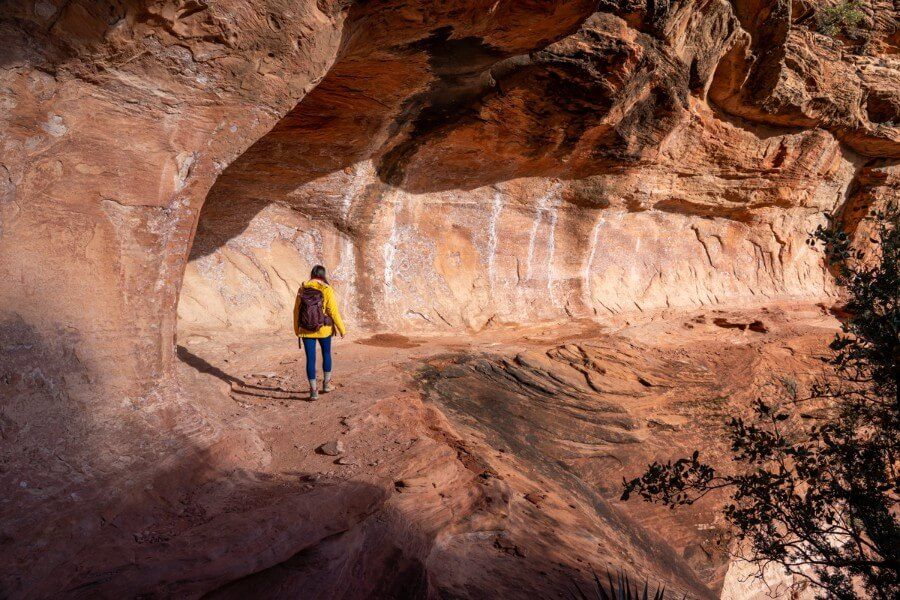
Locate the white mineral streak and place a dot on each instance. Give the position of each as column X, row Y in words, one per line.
column 553, row 217
column 362, row 171
column 493, row 234
column 588, row 265
column 541, row 208
column 397, row 197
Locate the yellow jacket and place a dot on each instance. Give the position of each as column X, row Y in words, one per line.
column 331, row 310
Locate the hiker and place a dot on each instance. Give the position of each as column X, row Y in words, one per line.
column 316, row 316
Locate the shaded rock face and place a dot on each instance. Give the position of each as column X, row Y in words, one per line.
column 455, row 165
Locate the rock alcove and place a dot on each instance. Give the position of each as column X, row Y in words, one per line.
column 170, row 171
column 450, row 182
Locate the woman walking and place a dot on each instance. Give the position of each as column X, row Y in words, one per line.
column 316, row 316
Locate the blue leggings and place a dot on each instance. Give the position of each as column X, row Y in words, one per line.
column 309, row 346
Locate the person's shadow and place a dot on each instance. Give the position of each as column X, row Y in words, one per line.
column 191, row 359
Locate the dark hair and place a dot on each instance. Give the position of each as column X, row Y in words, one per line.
column 318, row 272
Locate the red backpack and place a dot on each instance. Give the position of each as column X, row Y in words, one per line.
column 311, row 316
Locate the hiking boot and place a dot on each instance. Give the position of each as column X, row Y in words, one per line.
column 313, row 390
column 327, row 386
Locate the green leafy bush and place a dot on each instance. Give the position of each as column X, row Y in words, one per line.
column 843, row 18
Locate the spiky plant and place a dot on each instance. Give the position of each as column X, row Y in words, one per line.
column 620, row 588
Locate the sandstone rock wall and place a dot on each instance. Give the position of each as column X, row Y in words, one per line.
column 518, row 188
column 118, row 117
column 515, row 252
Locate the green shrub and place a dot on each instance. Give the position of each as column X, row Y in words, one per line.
column 843, row 18
column 814, row 483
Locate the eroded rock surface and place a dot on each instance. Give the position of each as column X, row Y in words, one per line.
column 459, row 166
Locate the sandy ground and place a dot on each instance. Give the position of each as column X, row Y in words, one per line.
column 475, row 464
column 472, row 466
